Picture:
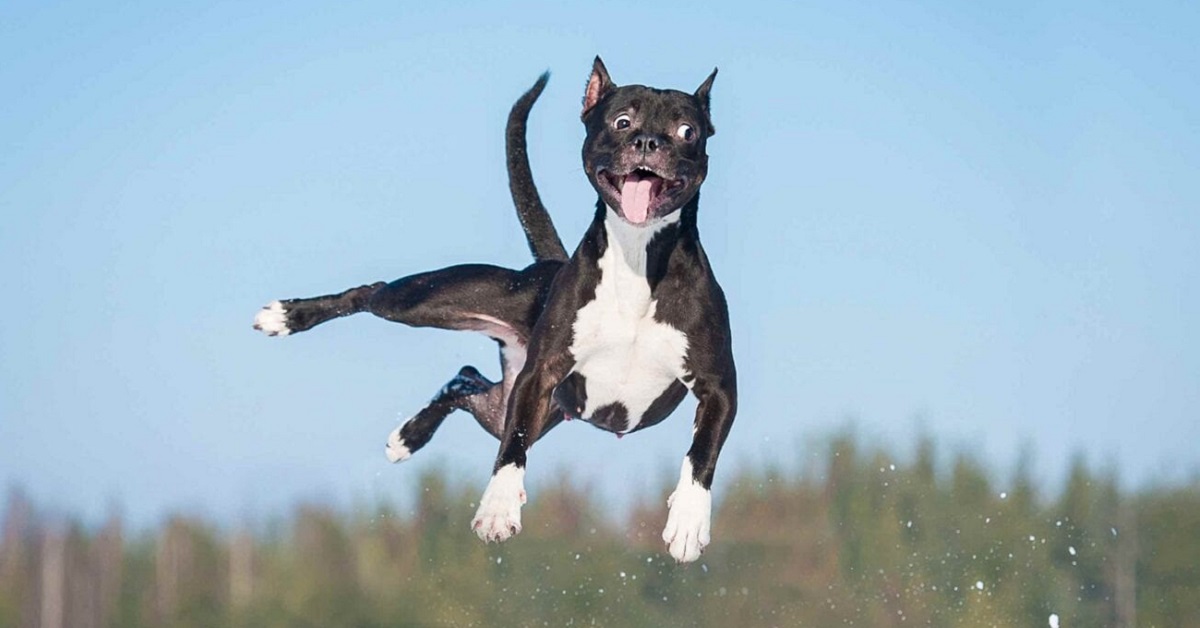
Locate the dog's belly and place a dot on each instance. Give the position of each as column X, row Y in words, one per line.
column 624, row 361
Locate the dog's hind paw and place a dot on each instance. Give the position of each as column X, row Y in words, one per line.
column 499, row 513
column 396, row 449
column 689, row 518
column 272, row 320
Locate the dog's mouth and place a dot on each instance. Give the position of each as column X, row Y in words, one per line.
column 639, row 192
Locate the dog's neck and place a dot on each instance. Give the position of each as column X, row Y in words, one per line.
column 632, row 242
column 646, row 249
column 685, row 217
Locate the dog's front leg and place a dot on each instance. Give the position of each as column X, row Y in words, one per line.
column 690, row 507
column 529, row 417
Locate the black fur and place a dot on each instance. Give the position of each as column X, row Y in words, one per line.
column 543, row 239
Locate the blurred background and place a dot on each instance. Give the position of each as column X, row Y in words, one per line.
column 959, row 244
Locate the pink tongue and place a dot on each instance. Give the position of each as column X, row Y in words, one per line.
column 635, row 197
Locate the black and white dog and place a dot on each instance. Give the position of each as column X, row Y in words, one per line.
column 615, row 335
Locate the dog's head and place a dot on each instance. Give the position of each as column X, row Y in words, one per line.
column 644, row 151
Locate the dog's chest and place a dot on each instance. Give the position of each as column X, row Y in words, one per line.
column 625, row 356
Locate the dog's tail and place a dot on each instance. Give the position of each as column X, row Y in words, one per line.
column 543, row 240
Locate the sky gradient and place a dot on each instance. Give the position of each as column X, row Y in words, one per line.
column 974, row 221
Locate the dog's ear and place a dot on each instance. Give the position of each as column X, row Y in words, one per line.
column 598, row 85
column 702, row 95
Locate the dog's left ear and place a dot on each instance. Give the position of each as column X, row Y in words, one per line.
column 598, row 85
column 702, row 95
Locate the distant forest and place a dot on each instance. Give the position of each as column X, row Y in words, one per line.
column 863, row 540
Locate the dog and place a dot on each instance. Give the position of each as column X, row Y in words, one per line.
column 614, row 335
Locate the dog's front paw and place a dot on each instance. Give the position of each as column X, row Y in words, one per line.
column 689, row 519
column 397, row 450
column 272, row 320
column 499, row 513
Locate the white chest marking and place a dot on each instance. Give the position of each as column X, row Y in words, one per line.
column 623, row 353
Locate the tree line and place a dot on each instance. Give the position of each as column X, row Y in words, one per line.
column 862, row 539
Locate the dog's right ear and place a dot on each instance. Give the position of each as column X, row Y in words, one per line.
column 598, row 85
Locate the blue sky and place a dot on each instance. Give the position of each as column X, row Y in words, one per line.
column 977, row 221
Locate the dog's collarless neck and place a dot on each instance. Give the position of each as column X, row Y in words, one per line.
column 635, row 242
column 684, row 217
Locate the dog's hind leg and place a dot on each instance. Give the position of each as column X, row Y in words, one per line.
column 496, row 301
column 289, row 316
column 500, row 303
column 485, row 400
column 476, row 297
column 470, row 391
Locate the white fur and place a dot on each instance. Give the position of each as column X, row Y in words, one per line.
column 622, row 352
column 494, row 328
column 499, row 513
column 513, row 360
column 396, row 450
column 512, row 354
column 272, row 320
column 689, row 517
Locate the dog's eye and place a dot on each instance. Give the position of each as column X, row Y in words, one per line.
column 685, row 133
column 622, row 122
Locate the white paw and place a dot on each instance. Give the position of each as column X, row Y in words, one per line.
column 499, row 513
column 689, row 518
column 396, row 450
column 272, row 320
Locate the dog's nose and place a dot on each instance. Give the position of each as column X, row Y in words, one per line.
column 646, row 143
